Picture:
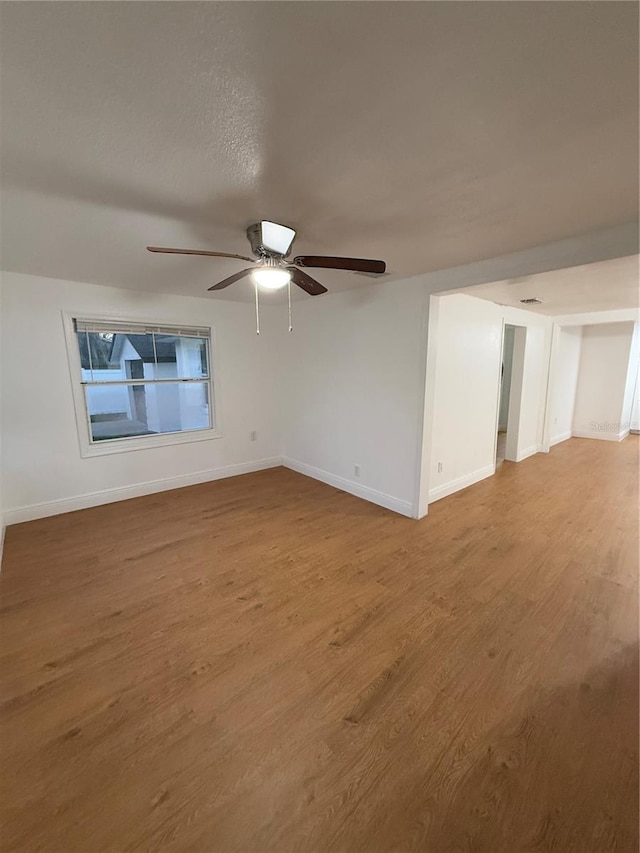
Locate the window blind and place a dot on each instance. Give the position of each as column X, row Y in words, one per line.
column 115, row 327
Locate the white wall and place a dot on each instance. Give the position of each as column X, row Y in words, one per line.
column 467, row 356
column 632, row 378
column 535, row 378
column 634, row 420
column 467, row 381
column 354, row 379
column 42, row 467
column 603, row 381
column 356, row 394
column 564, row 381
column 346, row 389
column 363, row 392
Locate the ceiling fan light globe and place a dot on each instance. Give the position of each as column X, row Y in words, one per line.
column 276, row 238
column 269, row 278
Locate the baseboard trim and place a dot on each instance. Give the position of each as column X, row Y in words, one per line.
column 57, row 507
column 527, row 452
column 559, row 438
column 2, row 530
column 356, row 489
column 601, row 436
column 461, row 483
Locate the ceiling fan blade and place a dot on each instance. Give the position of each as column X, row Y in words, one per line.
column 308, row 284
column 232, row 278
column 197, row 252
column 327, row 262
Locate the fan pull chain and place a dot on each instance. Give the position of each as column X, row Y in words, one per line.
column 289, row 299
column 255, row 284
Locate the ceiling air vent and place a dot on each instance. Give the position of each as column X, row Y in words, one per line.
column 532, row 300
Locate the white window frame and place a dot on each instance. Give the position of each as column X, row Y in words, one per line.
column 88, row 447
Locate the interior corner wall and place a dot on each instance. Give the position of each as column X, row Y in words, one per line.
column 564, row 382
column 43, row 472
column 355, row 382
column 463, row 421
column 603, row 381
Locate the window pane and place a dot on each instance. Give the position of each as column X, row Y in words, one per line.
column 96, row 351
column 179, row 358
column 123, row 411
column 113, row 356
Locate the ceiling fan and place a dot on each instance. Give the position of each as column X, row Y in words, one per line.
column 271, row 245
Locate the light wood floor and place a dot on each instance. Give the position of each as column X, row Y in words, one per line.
column 267, row 665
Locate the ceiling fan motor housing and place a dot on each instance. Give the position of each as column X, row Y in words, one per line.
column 268, row 239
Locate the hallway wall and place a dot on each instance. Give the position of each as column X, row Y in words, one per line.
column 564, row 382
column 466, row 360
column 603, row 382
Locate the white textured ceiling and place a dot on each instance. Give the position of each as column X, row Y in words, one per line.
column 602, row 286
column 428, row 134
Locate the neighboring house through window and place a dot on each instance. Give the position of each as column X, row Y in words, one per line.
column 140, row 385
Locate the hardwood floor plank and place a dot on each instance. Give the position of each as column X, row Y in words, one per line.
column 267, row 664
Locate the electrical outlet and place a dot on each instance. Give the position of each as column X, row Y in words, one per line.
column 439, row 467
column 253, row 435
column 356, row 470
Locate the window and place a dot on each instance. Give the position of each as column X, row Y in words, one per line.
column 139, row 385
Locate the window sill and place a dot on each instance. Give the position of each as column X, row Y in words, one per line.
column 147, row 442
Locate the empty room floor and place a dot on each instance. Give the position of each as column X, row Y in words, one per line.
column 267, row 664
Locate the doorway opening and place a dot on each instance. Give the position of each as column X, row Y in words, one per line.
column 509, row 399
